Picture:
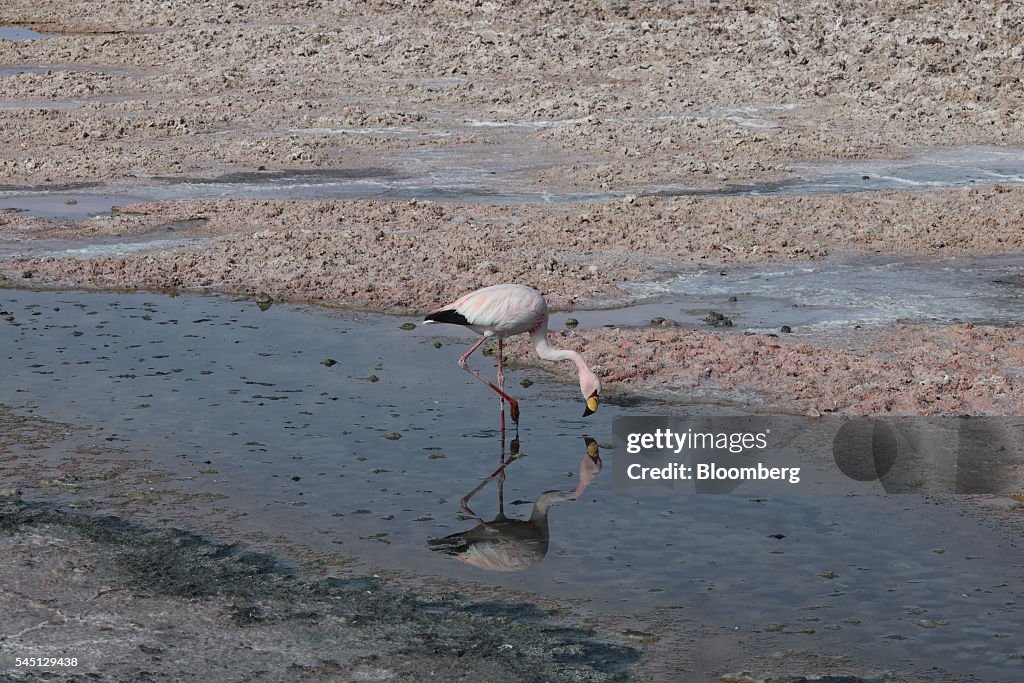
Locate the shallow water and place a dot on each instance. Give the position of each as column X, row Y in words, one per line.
column 168, row 236
column 497, row 179
column 236, row 402
column 954, row 168
column 7, row 70
column 835, row 294
column 18, row 33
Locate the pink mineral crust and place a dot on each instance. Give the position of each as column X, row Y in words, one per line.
column 407, row 255
column 401, row 255
column 959, row 369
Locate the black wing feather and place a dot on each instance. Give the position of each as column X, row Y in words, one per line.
column 449, row 315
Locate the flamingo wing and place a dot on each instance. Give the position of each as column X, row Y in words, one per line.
column 497, row 310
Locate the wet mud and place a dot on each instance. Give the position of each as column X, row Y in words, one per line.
column 130, row 602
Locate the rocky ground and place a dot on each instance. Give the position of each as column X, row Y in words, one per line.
column 909, row 370
column 637, row 93
column 418, row 255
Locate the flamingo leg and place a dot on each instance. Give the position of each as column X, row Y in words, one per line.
column 513, row 404
column 501, row 373
column 501, row 384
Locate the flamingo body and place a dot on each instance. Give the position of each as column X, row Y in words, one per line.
column 505, row 310
column 496, row 311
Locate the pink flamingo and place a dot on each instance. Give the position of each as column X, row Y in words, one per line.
column 505, row 310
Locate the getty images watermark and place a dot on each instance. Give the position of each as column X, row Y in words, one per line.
column 832, row 454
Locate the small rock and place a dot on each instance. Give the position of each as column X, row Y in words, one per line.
column 263, row 298
column 373, row 378
column 927, row 623
column 70, row 202
column 27, row 275
column 829, row 574
column 438, row 345
column 328, row 362
column 786, row 328
column 733, row 299
column 813, row 412
column 526, row 383
column 393, row 436
column 407, row 326
column 571, row 322
column 716, row 319
column 657, row 321
column 668, row 322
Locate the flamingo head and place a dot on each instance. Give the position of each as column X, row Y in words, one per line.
column 590, row 386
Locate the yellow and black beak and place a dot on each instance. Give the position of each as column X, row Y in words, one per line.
column 591, row 405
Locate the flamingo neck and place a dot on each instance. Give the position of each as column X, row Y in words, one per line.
column 544, row 502
column 548, row 352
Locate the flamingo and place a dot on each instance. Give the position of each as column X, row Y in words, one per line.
column 503, row 311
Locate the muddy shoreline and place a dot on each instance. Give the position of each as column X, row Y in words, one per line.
column 173, row 601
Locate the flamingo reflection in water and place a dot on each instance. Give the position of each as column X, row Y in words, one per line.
column 511, row 545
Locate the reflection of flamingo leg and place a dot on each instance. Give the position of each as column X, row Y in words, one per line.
column 501, row 494
column 496, row 474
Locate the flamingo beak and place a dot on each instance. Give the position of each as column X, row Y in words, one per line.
column 591, row 406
